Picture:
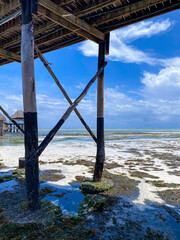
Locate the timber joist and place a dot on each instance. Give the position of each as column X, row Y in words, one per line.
column 68, row 20
column 61, row 23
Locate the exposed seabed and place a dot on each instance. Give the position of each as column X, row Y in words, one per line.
column 144, row 203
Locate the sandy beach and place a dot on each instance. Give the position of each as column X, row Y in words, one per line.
column 146, row 174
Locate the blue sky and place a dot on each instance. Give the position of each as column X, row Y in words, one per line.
column 142, row 79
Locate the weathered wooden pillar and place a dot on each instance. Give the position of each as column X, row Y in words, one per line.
column 29, row 101
column 100, row 157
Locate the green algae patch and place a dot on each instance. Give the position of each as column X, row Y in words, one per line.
column 79, row 162
column 155, row 235
column 123, row 185
column 139, row 174
column 93, row 203
column 45, row 223
column 170, row 195
column 78, row 179
column 17, row 174
column 163, row 184
column 29, row 224
column 91, row 187
column 175, row 172
column 6, row 178
column 46, row 190
column 51, row 175
column 173, row 213
column 112, row 165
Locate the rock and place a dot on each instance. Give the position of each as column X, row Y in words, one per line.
column 6, row 178
column 19, row 173
column 22, row 162
column 92, row 203
column 91, row 187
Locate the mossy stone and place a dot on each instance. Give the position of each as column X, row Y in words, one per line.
column 92, row 203
column 90, row 187
column 6, row 178
column 19, row 173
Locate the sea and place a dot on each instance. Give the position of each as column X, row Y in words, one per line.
column 81, row 135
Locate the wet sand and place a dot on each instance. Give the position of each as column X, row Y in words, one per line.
column 152, row 167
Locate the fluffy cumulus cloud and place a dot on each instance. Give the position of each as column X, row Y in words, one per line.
column 120, row 109
column 127, row 112
column 164, row 85
column 121, row 42
column 158, row 103
column 10, row 103
column 50, row 109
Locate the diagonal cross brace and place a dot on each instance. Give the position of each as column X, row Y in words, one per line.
column 64, row 92
column 52, row 133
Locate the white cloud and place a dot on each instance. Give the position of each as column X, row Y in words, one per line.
column 143, row 29
column 120, row 109
column 120, row 48
column 80, row 86
column 162, row 85
column 147, row 112
column 159, row 96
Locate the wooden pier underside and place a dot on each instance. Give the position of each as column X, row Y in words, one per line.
column 61, row 23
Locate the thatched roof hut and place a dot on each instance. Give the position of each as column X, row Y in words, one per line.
column 18, row 115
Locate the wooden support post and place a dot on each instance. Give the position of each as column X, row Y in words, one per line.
column 100, row 156
column 29, row 101
column 52, row 133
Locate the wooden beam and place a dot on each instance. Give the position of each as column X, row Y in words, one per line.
column 107, row 43
column 94, row 6
column 64, row 92
column 100, row 156
column 56, row 35
column 126, row 10
column 37, row 30
column 63, row 2
column 10, row 55
column 32, row 160
column 61, row 21
column 9, row 26
column 30, row 109
column 140, row 18
column 7, row 8
column 69, row 19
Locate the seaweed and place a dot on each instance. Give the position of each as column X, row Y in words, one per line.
column 171, row 195
column 51, row 175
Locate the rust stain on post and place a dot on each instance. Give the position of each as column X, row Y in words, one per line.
column 33, row 86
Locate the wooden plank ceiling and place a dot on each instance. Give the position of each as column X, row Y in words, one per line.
column 61, row 23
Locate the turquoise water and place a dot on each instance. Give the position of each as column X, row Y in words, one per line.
column 81, row 135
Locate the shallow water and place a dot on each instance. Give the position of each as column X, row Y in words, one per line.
column 8, row 186
column 70, row 198
column 81, row 135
